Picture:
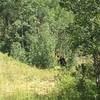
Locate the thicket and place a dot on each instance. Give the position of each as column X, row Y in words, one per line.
column 30, row 29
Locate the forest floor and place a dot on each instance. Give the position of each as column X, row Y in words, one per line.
column 19, row 78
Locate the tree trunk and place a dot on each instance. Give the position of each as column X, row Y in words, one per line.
column 96, row 61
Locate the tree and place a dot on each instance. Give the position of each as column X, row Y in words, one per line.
column 85, row 29
column 24, row 21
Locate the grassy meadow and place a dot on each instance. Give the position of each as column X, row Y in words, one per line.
column 19, row 81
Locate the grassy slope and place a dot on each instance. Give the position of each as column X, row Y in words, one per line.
column 16, row 77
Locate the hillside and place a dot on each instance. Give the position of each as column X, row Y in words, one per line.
column 49, row 49
column 17, row 79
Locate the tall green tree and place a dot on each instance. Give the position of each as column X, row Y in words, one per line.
column 85, row 30
column 32, row 27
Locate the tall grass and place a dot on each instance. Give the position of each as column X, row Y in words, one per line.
column 19, row 81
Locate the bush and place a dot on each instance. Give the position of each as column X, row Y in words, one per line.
column 18, row 52
column 69, row 88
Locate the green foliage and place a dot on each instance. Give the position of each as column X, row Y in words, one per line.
column 33, row 30
column 67, row 88
column 34, row 25
column 70, row 87
column 17, row 52
column 85, row 29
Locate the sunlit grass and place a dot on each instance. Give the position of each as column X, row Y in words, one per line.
column 18, row 79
